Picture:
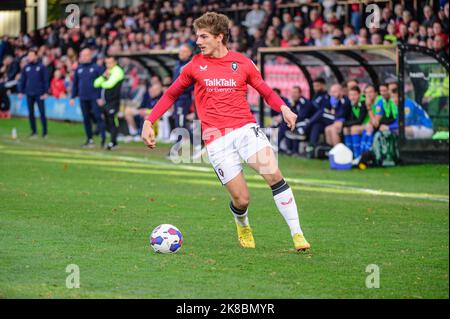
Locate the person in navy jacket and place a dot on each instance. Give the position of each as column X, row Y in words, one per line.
column 183, row 103
column 83, row 87
column 34, row 83
column 315, row 117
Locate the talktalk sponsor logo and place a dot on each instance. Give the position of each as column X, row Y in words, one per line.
column 220, row 82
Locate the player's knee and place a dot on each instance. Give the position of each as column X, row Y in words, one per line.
column 242, row 201
column 356, row 129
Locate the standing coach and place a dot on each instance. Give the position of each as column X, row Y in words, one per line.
column 34, row 83
column 83, row 87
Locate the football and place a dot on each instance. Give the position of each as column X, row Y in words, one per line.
column 166, row 239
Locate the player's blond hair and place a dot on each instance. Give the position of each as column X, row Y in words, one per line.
column 214, row 23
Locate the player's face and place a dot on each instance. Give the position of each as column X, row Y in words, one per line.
column 31, row 57
column 384, row 92
column 370, row 94
column 296, row 94
column 353, row 97
column 395, row 98
column 336, row 91
column 184, row 53
column 318, row 86
column 110, row 63
column 392, row 87
column 85, row 56
column 207, row 42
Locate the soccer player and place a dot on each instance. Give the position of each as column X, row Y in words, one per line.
column 386, row 110
column 229, row 129
column 304, row 109
column 340, row 106
column 183, row 103
column 370, row 123
column 418, row 125
column 110, row 83
column 314, row 125
column 353, row 122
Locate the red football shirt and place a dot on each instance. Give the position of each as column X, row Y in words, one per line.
column 220, row 92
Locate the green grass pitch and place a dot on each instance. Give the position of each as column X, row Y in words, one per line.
column 62, row 205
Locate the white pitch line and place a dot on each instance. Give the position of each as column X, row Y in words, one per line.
column 304, row 182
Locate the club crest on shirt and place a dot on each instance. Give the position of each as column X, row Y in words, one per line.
column 234, row 66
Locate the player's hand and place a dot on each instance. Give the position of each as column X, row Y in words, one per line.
column 289, row 117
column 72, row 102
column 100, row 102
column 44, row 96
column 20, row 96
column 148, row 135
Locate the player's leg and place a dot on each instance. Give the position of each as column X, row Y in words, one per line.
column 367, row 137
column 85, row 111
column 227, row 165
column 329, row 135
column 336, row 132
column 99, row 120
column 265, row 163
column 355, row 132
column 316, row 130
column 347, row 137
column 31, row 118
column 111, row 112
column 240, row 199
column 41, row 106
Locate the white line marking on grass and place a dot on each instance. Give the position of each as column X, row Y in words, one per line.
column 132, row 164
column 305, row 186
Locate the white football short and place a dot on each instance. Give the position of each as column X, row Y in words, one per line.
column 420, row 132
column 227, row 152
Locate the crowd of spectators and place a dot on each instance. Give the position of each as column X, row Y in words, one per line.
column 159, row 24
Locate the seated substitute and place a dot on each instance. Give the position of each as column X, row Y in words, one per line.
column 340, row 106
column 353, row 121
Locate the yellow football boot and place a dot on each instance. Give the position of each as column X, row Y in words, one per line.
column 245, row 236
column 300, row 242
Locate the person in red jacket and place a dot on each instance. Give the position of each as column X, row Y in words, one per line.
column 57, row 86
column 229, row 129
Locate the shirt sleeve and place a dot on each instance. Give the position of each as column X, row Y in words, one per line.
column 172, row 93
column 255, row 79
column 75, row 85
column 379, row 108
column 46, row 79
column 22, row 81
column 116, row 75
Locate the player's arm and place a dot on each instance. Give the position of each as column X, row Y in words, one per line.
column 22, row 81
column 46, row 79
column 255, row 79
column 75, row 85
column 379, row 114
column 116, row 75
column 169, row 97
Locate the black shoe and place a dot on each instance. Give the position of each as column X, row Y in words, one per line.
column 310, row 152
column 89, row 144
column 295, row 135
column 111, row 146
